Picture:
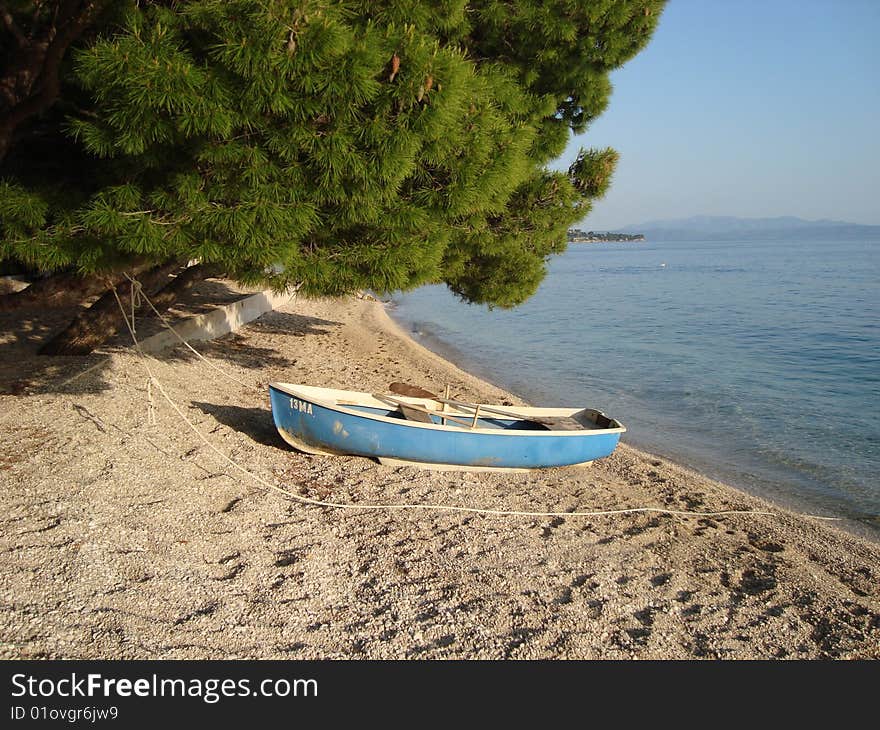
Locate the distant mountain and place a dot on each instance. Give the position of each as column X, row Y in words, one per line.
column 728, row 228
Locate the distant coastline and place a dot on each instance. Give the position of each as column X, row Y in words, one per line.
column 729, row 228
column 575, row 235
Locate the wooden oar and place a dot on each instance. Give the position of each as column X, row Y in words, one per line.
column 404, row 406
column 552, row 422
column 415, row 391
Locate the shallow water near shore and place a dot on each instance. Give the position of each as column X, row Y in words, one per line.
column 754, row 362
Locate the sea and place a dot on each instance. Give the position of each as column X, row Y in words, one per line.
column 756, row 363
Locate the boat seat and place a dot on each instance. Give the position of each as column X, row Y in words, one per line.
column 414, row 414
column 562, row 423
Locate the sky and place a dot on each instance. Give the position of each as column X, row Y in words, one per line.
column 751, row 108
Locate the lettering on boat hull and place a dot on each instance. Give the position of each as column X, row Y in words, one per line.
column 301, row 406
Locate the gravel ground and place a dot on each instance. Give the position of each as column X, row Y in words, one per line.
column 125, row 536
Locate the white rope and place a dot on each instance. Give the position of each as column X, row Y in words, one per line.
column 415, row 506
column 201, row 357
column 151, row 405
column 136, row 287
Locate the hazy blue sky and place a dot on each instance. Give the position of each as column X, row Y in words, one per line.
column 749, row 108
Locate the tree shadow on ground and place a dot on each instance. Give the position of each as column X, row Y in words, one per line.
column 209, row 293
column 297, row 325
column 22, row 332
column 25, row 329
column 256, row 423
column 238, row 349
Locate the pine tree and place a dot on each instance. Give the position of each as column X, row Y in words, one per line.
column 335, row 145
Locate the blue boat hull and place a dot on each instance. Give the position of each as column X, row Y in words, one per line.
column 310, row 425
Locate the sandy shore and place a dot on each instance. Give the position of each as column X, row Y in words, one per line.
column 127, row 538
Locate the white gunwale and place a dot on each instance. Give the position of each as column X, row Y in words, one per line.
column 329, row 397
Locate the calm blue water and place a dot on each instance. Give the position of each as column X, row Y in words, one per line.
column 754, row 362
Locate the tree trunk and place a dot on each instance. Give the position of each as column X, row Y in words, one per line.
column 182, row 283
column 29, row 81
column 97, row 324
column 61, row 290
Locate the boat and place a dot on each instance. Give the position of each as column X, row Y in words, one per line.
column 439, row 433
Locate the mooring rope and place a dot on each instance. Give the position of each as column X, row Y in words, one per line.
column 136, row 285
column 400, row 506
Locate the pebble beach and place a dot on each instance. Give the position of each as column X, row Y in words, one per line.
column 126, row 534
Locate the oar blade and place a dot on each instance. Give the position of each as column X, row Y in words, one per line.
column 413, row 391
